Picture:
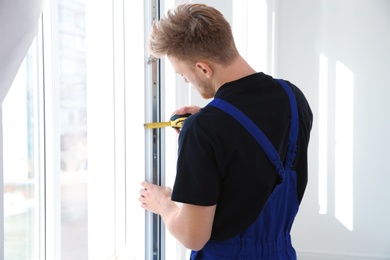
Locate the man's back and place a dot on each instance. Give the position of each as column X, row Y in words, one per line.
column 220, row 163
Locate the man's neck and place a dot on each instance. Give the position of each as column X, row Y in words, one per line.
column 237, row 70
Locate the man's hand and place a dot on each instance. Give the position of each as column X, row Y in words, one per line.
column 155, row 198
column 190, row 224
column 186, row 110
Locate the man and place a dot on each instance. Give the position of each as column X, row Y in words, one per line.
column 242, row 159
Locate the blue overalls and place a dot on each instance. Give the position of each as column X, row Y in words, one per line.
column 269, row 236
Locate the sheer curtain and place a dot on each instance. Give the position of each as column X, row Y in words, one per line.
column 18, row 26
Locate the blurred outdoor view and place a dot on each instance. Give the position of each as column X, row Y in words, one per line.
column 23, row 145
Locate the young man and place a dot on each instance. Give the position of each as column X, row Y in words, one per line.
column 242, row 159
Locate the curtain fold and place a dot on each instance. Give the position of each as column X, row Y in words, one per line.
column 18, row 27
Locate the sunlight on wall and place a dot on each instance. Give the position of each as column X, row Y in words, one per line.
column 252, row 16
column 323, row 136
column 343, row 150
column 344, row 145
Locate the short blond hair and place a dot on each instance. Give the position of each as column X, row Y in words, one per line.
column 193, row 32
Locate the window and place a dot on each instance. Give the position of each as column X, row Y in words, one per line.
column 73, row 144
column 23, row 193
column 74, row 181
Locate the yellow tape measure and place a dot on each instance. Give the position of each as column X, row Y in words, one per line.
column 176, row 121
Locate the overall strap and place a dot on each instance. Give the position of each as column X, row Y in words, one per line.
column 256, row 132
column 294, row 128
column 259, row 135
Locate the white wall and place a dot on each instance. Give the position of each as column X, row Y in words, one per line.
column 353, row 195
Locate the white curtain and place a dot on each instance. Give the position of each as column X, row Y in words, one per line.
column 18, row 26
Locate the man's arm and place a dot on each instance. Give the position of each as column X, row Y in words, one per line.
column 190, row 224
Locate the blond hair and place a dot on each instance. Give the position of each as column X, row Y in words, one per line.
column 193, row 32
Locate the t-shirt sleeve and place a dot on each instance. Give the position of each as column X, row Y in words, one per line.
column 196, row 179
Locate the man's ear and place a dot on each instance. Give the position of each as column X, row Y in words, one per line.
column 204, row 69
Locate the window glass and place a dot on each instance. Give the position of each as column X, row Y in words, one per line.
column 22, row 175
column 73, row 129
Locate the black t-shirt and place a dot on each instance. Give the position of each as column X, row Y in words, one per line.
column 220, row 163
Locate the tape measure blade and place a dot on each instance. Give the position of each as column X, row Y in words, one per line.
column 157, row 124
